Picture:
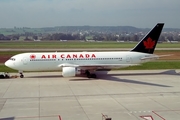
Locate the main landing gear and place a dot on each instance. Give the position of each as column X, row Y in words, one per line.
column 21, row 74
column 90, row 75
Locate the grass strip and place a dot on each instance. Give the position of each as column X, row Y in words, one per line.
column 76, row 44
column 156, row 65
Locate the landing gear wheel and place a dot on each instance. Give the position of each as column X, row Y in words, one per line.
column 93, row 75
column 89, row 75
column 21, row 76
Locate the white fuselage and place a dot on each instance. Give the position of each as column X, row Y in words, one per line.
column 52, row 60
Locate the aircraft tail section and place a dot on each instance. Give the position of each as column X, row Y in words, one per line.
column 149, row 41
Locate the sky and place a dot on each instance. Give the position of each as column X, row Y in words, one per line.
column 51, row 13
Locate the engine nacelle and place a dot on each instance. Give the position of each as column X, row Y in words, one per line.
column 70, row 71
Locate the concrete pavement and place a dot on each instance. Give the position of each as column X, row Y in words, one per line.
column 122, row 95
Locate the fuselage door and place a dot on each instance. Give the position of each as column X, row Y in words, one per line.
column 128, row 59
column 24, row 61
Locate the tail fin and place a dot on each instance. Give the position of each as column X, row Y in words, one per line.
column 149, row 41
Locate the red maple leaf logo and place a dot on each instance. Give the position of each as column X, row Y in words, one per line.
column 32, row 56
column 149, row 44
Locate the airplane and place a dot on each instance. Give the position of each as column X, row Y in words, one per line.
column 87, row 63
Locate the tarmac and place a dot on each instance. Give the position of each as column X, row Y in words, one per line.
column 120, row 95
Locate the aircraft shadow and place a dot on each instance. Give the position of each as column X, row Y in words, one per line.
column 9, row 118
column 112, row 77
column 45, row 76
column 169, row 72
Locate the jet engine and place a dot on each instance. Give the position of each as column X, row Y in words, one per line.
column 70, row 71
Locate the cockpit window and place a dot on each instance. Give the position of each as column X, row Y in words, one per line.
column 13, row 59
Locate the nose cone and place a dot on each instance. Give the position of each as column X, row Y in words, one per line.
column 9, row 64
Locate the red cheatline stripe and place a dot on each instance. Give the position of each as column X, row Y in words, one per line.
column 59, row 117
column 158, row 115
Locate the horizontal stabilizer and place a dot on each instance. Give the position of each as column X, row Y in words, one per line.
column 155, row 57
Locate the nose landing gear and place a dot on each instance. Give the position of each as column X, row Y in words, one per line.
column 21, row 74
